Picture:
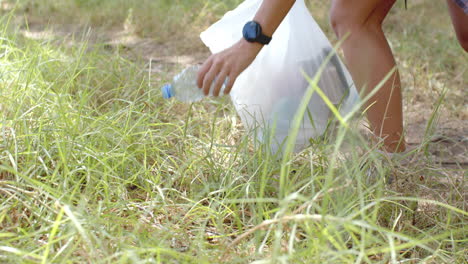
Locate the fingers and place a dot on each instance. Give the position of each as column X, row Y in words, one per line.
column 210, row 76
column 227, row 64
column 203, row 70
column 213, row 70
column 213, row 74
column 232, row 79
column 220, row 79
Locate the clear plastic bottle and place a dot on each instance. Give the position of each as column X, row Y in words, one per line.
column 184, row 86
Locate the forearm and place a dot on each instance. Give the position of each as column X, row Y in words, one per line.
column 271, row 13
column 233, row 61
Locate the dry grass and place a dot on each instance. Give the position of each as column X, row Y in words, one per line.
column 96, row 167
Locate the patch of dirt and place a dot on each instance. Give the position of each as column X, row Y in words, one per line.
column 447, row 139
column 122, row 39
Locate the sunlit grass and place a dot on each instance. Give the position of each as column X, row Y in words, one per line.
column 95, row 167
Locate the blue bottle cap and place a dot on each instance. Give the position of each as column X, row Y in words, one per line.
column 166, row 91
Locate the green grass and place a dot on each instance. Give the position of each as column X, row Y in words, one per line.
column 163, row 20
column 96, row 168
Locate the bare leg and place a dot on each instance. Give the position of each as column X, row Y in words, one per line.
column 370, row 59
column 460, row 23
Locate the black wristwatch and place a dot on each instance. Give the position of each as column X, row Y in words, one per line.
column 252, row 32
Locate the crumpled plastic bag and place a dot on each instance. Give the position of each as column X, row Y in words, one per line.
column 267, row 94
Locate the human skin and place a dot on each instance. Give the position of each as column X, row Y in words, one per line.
column 460, row 23
column 367, row 55
column 369, row 60
column 232, row 61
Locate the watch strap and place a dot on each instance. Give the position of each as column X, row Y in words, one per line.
column 263, row 39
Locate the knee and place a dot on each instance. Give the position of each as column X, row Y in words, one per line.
column 460, row 22
column 344, row 20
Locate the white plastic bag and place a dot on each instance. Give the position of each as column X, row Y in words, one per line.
column 269, row 91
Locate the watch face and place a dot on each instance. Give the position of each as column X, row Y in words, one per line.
column 251, row 31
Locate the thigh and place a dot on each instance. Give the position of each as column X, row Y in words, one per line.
column 361, row 11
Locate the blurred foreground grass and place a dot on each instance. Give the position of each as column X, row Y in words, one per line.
column 95, row 167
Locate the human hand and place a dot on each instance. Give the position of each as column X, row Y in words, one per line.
column 229, row 63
